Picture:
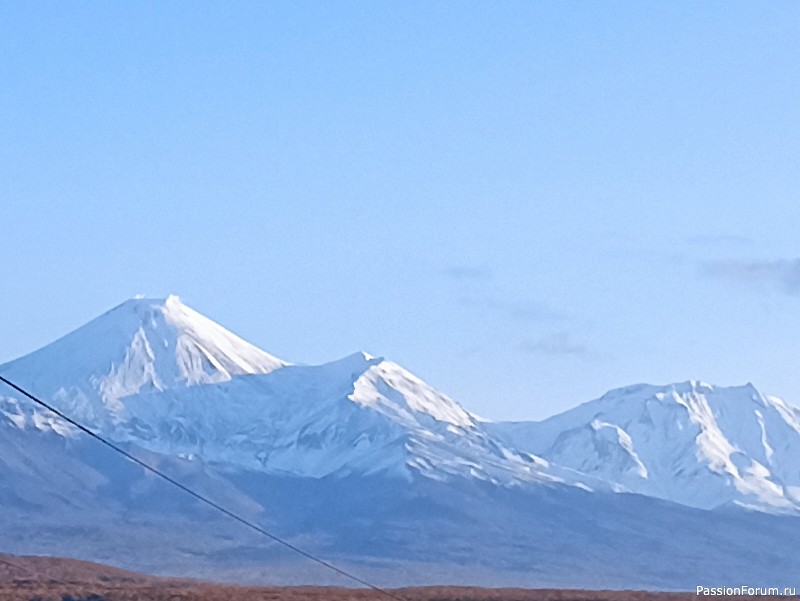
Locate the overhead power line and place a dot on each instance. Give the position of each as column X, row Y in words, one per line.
column 31, row 573
column 198, row 496
column 16, row 567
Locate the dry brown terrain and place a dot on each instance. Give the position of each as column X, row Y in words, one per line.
column 52, row 579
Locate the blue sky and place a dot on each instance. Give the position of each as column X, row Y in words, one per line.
column 525, row 203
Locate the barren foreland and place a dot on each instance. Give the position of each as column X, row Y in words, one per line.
column 56, row 579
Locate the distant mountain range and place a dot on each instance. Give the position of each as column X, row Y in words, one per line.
column 648, row 486
column 691, row 443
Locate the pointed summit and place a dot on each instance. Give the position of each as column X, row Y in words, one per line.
column 138, row 346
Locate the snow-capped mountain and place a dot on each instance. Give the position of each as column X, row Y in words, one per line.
column 690, row 443
column 158, row 375
column 142, row 345
column 360, row 460
column 161, row 376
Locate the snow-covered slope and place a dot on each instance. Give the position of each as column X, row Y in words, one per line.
column 158, row 375
column 139, row 346
column 691, row 443
column 357, row 416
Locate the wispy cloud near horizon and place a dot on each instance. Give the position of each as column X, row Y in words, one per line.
column 780, row 274
column 720, row 240
column 516, row 310
column 544, row 329
column 557, row 343
column 468, row 273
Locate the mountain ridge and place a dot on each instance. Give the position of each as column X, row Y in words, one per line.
column 358, row 459
column 171, row 381
column 691, row 443
column 156, row 373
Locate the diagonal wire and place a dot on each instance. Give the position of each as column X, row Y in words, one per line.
column 199, row 496
column 33, row 574
column 17, row 567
